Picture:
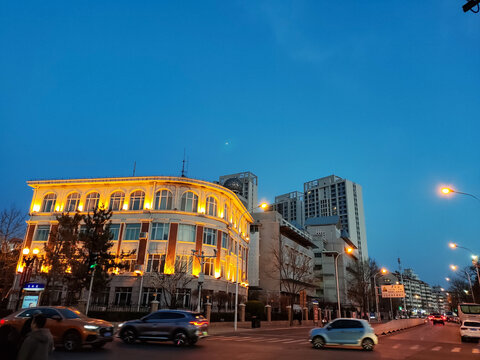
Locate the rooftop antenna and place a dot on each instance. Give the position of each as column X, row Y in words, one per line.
column 183, row 164
column 134, row 166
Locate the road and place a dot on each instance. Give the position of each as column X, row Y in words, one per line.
column 422, row 342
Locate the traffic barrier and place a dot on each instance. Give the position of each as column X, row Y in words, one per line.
column 396, row 325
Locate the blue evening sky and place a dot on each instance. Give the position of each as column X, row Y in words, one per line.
column 384, row 93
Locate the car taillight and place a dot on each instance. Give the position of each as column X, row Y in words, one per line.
column 2, row 322
column 444, row 318
column 199, row 323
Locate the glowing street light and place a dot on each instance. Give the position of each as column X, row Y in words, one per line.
column 474, row 257
column 447, row 190
column 454, row 268
column 382, row 271
column 447, row 278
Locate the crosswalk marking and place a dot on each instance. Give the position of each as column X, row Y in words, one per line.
column 457, row 349
column 278, row 340
column 396, row 346
column 414, row 347
column 475, row 351
column 294, row 341
column 436, row 348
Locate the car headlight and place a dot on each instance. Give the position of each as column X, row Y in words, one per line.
column 91, row 327
column 120, row 325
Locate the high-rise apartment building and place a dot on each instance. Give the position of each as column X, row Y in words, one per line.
column 333, row 195
column 245, row 185
column 292, row 208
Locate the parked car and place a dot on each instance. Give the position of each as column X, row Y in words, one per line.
column 69, row 327
column 470, row 330
column 438, row 319
column 350, row 332
column 451, row 317
column 181, row 327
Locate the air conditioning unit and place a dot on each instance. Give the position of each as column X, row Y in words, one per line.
column 143, row 235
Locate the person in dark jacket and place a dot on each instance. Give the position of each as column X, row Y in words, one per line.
column 38, row 344
column 9, row 341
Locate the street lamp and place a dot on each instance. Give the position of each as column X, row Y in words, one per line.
column 263, row 206
column 382, row 271
column 336, row 254
column 27, row 264
column 454, row 268
column 474, row 257
column 447, row 191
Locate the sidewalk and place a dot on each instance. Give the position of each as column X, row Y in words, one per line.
column 219, row 328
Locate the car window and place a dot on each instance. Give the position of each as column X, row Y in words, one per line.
column 154, row 316
column 339, row 324
column 353, row 324
column 69, row 314
column 48, row 312
column 471, row 323
column 28, row 313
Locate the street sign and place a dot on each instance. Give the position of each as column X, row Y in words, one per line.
column 34, row 287
column 393, row 291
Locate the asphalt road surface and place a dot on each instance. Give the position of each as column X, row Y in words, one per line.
column 422, row 342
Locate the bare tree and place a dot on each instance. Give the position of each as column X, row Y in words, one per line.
column 170, row 283
column 12, row 230
column 360, row 283
column 293, row 269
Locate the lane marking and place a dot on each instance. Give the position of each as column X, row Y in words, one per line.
column 396, row 346
column 457, row 349
column 294, row 341
column 436, row 348
column 475, row 351
column 414, row 347
column 277, row 340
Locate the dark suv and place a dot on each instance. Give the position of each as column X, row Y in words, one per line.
column 181, row 327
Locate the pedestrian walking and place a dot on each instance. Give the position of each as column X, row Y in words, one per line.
column 38, row 344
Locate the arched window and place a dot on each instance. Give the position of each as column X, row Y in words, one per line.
column 91, row 201
column 163, row 200
column 72, row 202
column 116, row 201
column 48, row 203
column 189, row 202
column 136, row 200
column 211, row 206
column 225, row 212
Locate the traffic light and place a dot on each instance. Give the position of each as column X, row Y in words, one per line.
column 400, row 308
column 92, row 261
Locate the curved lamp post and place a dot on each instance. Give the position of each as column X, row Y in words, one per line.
column 447, row 190
column 454, row 246
column 383, row 271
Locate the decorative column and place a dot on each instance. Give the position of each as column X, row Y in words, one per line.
column 305, row 313
column 289, row 311
column 242, row 312
column 153, row 306
column 209, row 310
column 269, row 313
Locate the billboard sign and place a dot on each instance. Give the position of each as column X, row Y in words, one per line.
column 393, row 291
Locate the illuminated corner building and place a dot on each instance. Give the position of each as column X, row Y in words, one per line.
column 163, row 219
column 270, row 234
column 245, row 185
column 291, row 207
column 333, row 195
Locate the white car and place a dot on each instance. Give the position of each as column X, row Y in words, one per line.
column 470, row 330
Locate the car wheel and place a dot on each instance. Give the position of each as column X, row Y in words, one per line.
column 129, row 336
column 318, row 342
column 180, row 339
column 72, row 341
column 367, row 344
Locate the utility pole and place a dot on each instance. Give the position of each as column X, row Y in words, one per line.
column 401, row 281
column 201, row 276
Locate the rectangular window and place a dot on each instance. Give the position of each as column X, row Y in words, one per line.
column 132, row 232
column 123, row 296
column 186, row 233
column 210, row 236
column 42, row 233
column 115, row 231
column 156, row 263
column 224, row 240
column 157, row 247
column 184, row 264
column 209, row 266
column 160, row 231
